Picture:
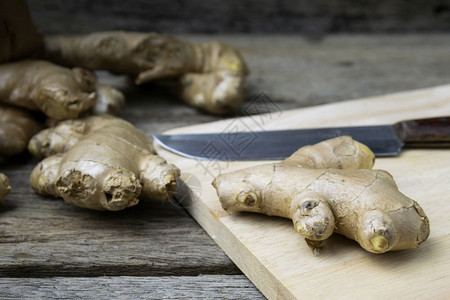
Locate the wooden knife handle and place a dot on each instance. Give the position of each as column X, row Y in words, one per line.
column 434, row 132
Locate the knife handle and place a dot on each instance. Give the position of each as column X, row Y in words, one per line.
column 434, row 132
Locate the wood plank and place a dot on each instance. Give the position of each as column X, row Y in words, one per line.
column 42, row 237
column 272, row 254
column 317, row 18
column 176, row 287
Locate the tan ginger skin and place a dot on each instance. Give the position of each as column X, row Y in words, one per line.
column 330, row 187
column 108, row 100
column 58, row 92
column 17, row 126
column 5, row 188
column 104, row 163
column 211, row 75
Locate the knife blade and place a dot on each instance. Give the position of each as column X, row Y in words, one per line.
column 383, row 140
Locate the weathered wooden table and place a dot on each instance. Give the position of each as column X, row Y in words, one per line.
column 156, row 250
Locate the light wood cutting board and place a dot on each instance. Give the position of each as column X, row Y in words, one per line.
column 275, row 257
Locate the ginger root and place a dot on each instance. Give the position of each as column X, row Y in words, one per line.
column 108, row 100
column 329, row 187
column 211, row 75
column 103, row 163
column 39, row 85
column 5, row 188
column 59, row 92
column 17, row 126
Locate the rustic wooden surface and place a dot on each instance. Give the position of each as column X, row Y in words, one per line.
column 128, row 287
column 161, row 243
column 272, row 253
column 314, row 18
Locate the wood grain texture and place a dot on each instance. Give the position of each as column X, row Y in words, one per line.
column 279, row 16
column 43, row 237
column 271, row 253
column 295, row 72
column 125, row 287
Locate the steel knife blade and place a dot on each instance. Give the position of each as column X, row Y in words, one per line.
column 383, row 140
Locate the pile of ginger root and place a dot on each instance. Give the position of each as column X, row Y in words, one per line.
column 97, row 161
column 94, row 160
column 209, row 76
column 329, row 187
column 53, row 74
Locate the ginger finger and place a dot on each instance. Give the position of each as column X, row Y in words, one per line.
column 59, row 92
column 312, row 216
column 60, row 138
column 218, row 92
column 17, row 126
column 109, row 100
column 338, row 153
column 219, row 86
column 362, row 204
column 211, row 75
column 5, row 188
column 104, row 163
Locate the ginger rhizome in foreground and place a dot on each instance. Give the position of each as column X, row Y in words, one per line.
column 211, row 76
column 100, row 163
column 330, row 187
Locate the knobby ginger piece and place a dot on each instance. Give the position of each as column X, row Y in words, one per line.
column 211, row 75
column 5, row 188
column 100, row 163
column 17, row 126
column 108, row 100
column 330, row 187
column 58, row 92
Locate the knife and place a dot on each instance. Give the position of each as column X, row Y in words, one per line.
column 383, row 140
